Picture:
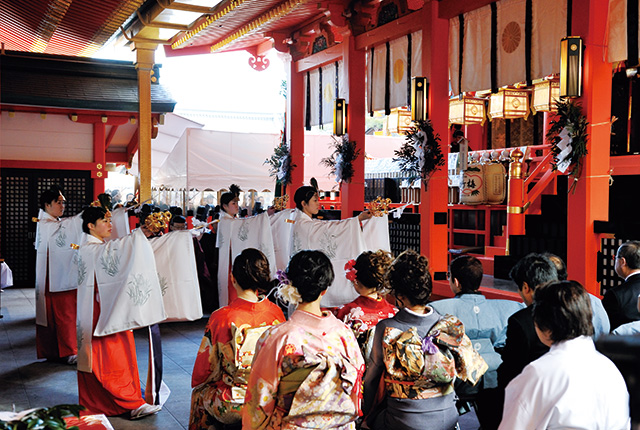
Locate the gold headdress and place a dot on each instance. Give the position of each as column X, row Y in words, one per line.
column 157, row 221
column 98, row 204
column 379, row 206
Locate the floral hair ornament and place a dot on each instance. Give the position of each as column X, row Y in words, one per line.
column 350, row 270
column 286, row 291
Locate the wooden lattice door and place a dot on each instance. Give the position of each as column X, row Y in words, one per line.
column 21, row 189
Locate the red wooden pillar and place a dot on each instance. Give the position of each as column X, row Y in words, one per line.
column 475, row 135
column 295, row 128
column 591, row 199
column 354, row 63
column 433, row 202
column 99, row 158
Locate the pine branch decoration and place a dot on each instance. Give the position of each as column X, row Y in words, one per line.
column 280, row 165
column 420, row 156
column 570, row 122
column 341, row 160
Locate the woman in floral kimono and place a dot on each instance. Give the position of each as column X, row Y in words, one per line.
column 220, row 373
column 307, row 371
column 418, row 354
column 367, row 273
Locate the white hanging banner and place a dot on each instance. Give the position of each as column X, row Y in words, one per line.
column 549, row 20
column 328, row 92
column 398, row 79
column 454, row 54
column 511, row 42
column 476, row 62
column 378, row 77
column 416, row 53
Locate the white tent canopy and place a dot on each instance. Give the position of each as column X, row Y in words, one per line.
column 204, row 159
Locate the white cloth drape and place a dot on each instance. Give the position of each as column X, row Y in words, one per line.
column 178, row 275
column 281, row 228
column 617, row 35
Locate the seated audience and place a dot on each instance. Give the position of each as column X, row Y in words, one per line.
column 307, row 372
column 223, row 364
column 367, row 273
column 621, row 302
column 417, row 356
column 573, row 386
column 485, row 321
column 600, row 320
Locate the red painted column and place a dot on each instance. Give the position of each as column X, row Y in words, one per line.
column 354, row 63
column 591, row 199
column 99, row 158
column 433, row 203
column 295, row 128
column 475, row 135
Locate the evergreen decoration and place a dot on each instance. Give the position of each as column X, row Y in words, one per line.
column 44, row 418
column 568, row 137
column 341, row 161
column 420, row 155
column 280, row 166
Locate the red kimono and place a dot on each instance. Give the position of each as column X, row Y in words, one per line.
column 223, row 364
column 113, row 386
column 362, row 315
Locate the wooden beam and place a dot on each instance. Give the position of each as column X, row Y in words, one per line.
column 112, row 133
column 117, row 157
column 401, row 26
column 54, row 165
column 95, row 119
column 452, row 8
column 327, row 56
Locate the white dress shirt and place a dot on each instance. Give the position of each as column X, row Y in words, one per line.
column 571, row 387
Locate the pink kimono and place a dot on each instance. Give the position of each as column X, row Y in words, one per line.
column 307, row 373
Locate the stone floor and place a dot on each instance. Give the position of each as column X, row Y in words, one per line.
column 26, row 382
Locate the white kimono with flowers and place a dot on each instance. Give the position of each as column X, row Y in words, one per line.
column 234, row 235
column 54, row 255
column 128, row 289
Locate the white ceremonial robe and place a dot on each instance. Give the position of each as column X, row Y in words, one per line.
column 570, row 387
column 55, row 256
column 281, row 229
column 340, row 240
column 234, row 235
column 178, row 275
column 128, row 289
column 376, row 233
column 119, row 224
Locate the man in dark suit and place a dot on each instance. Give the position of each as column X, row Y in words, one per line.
column 522, row 345
column 621, row 302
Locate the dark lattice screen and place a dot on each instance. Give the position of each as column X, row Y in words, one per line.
column 404, row 233
column 607, row 276
column 21, row 189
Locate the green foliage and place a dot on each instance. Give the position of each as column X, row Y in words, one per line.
column 341, row 160
column 570, row 117
column 44, row 419
column 420, row 136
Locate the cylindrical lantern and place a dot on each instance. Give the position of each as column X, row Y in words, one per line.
column 571, row 66
column 509, row 103
column 545, row 95
column 467, row 110
column 418, row 98
column 339, row 117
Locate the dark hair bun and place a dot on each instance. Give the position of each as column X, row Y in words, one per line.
column 409, row 277
column 251, row 270
column 372, row 269
column 311, row 273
